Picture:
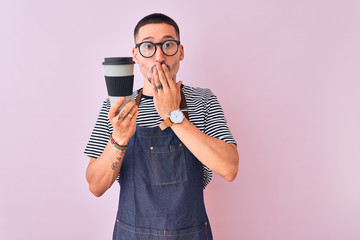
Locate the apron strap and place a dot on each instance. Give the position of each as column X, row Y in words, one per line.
column 183, row 105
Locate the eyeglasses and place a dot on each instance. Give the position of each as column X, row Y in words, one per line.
column 148, row 49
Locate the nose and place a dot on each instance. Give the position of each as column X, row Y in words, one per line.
column 159, row 55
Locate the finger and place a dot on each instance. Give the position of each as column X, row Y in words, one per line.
column 114, row 110
column 153, row 85
column 163, row 80
column 124, row 111
column 133, row 119
column 135, row 115
column 168, row 75
column 131, row 113
column 156, row 77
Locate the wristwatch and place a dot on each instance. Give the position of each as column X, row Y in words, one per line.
column 176, row 116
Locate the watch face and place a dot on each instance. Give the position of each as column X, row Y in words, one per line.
column 176, row 116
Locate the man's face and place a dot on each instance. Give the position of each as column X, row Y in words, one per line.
column 157, row 33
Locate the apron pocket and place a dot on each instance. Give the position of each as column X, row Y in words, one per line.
column 168, row 164
column 127, row 232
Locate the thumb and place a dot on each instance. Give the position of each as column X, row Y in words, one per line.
column 178, row 84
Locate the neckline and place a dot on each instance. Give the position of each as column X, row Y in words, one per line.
column 146, row 96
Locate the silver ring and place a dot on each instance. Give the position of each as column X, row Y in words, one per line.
column 159, row 87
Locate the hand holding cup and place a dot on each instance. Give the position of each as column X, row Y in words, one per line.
column 123, row 120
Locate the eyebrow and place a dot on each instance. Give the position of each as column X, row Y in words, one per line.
column 166, row 36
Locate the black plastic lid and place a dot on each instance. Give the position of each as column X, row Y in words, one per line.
column 118, row 61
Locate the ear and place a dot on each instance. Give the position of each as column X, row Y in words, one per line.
column 135, row 54
column 181, row 52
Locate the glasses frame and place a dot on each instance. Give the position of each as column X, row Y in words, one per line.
column 161, row 46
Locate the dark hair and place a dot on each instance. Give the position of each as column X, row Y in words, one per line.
column 156, row 18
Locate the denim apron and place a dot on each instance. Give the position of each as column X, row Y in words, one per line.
column 161, row 189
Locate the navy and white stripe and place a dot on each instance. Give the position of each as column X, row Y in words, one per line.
column 205, row 113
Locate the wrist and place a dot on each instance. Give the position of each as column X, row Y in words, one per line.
column 175, row 117
column 181, row 125
column 164, row 116
column 120, row 140
column 121, row 145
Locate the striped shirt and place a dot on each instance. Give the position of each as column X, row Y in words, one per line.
column 204, row 111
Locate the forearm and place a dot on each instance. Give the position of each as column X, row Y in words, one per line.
column 219, row 156
column 103, row 171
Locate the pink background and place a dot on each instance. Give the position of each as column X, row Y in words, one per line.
column 286, row 73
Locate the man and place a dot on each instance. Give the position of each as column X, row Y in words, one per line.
column 162, row 146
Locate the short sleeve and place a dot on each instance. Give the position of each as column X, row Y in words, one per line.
column 215, row 121
column 100, row 134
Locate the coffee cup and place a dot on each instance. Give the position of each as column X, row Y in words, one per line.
column 119, row 78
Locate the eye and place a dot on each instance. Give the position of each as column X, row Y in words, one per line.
column 147, row 46
column 168, row 44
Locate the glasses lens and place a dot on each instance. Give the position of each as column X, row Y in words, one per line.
column 170, row 47
column 147, row 49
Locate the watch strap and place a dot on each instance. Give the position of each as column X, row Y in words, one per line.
column 164, row 124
